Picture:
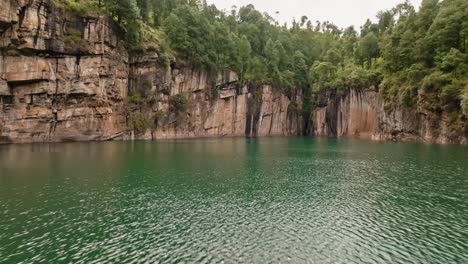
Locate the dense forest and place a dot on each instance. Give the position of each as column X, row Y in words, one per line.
column 413, row 57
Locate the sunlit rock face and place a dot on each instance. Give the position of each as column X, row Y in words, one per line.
column 62, row 77
column 364, row 114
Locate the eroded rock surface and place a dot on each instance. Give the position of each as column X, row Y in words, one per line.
column 363, row 114
column 216, row 105
column 62, row 77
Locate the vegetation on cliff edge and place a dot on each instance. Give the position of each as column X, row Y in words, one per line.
column 413, row 57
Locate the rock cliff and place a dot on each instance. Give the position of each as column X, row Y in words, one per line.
column 364, row 114
column 67, row 77
column 62, row 76
column 216, row 105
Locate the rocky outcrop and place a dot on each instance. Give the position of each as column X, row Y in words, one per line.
column 216, row 105
column 364, row 114
column 62, row 76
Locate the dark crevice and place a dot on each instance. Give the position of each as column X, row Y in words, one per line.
column 38, row 30
column 77, row 63
column 21, row 15
column 15, row 84
column 248, row 125
column 53, row 121
column 51, row 28
column 6, row 99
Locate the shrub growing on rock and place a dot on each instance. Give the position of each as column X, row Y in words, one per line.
column 178, row 103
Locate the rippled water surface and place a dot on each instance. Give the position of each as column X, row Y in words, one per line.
column 234, row 200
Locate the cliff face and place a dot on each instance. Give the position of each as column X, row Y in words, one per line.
column 62, row 77
column 65, row 77
column 216, row 105
column 363, row 114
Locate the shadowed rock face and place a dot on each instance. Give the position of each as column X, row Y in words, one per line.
column 362, row 114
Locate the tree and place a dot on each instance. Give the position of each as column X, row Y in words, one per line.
column 368, row 49
column 464, row 101
column 455, row 62
column 244, row 51
column 127, row 14
column 369, row 27
column 334, row 56
column 447, row 31
column 386, row 21
column 322, row 75
column 272, row 55
column 409, row 55
column 423, row 47
column 299, row 68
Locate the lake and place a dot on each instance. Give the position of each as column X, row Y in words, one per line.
column 234, row 200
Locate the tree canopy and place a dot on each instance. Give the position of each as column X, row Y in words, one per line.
column 412, row 56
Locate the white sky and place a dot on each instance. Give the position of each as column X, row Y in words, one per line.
column 343, row 13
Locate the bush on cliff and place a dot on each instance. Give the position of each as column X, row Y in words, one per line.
column 140, row 122
column 134, row 97
column 178, row 103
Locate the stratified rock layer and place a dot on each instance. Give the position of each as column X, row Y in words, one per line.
column 62, row 77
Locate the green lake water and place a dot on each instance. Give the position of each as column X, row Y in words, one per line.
column 271, row 200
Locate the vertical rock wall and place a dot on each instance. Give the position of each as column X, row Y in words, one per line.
column 62, row 76
column 216, row 105
column 362, row 114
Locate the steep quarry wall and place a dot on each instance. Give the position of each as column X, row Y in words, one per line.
column 364, row 114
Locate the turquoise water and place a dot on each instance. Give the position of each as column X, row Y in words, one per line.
column 271, row 200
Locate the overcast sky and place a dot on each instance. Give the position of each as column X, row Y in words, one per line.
column 343, row 13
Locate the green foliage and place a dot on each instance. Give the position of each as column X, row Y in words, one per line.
column 443, row 91
column 79, row 7
column 134, row 97
column 455, row 61
column 242, row 52
column 140, row 122
column 450, row 97
column 367, row 49
column 323, row 75
column 464, row 101
column 75, row 42
column 353, row 76
column 435, row 82
column 178, row 103
column 125, row 12
column 293, row 108
column 411, row 56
